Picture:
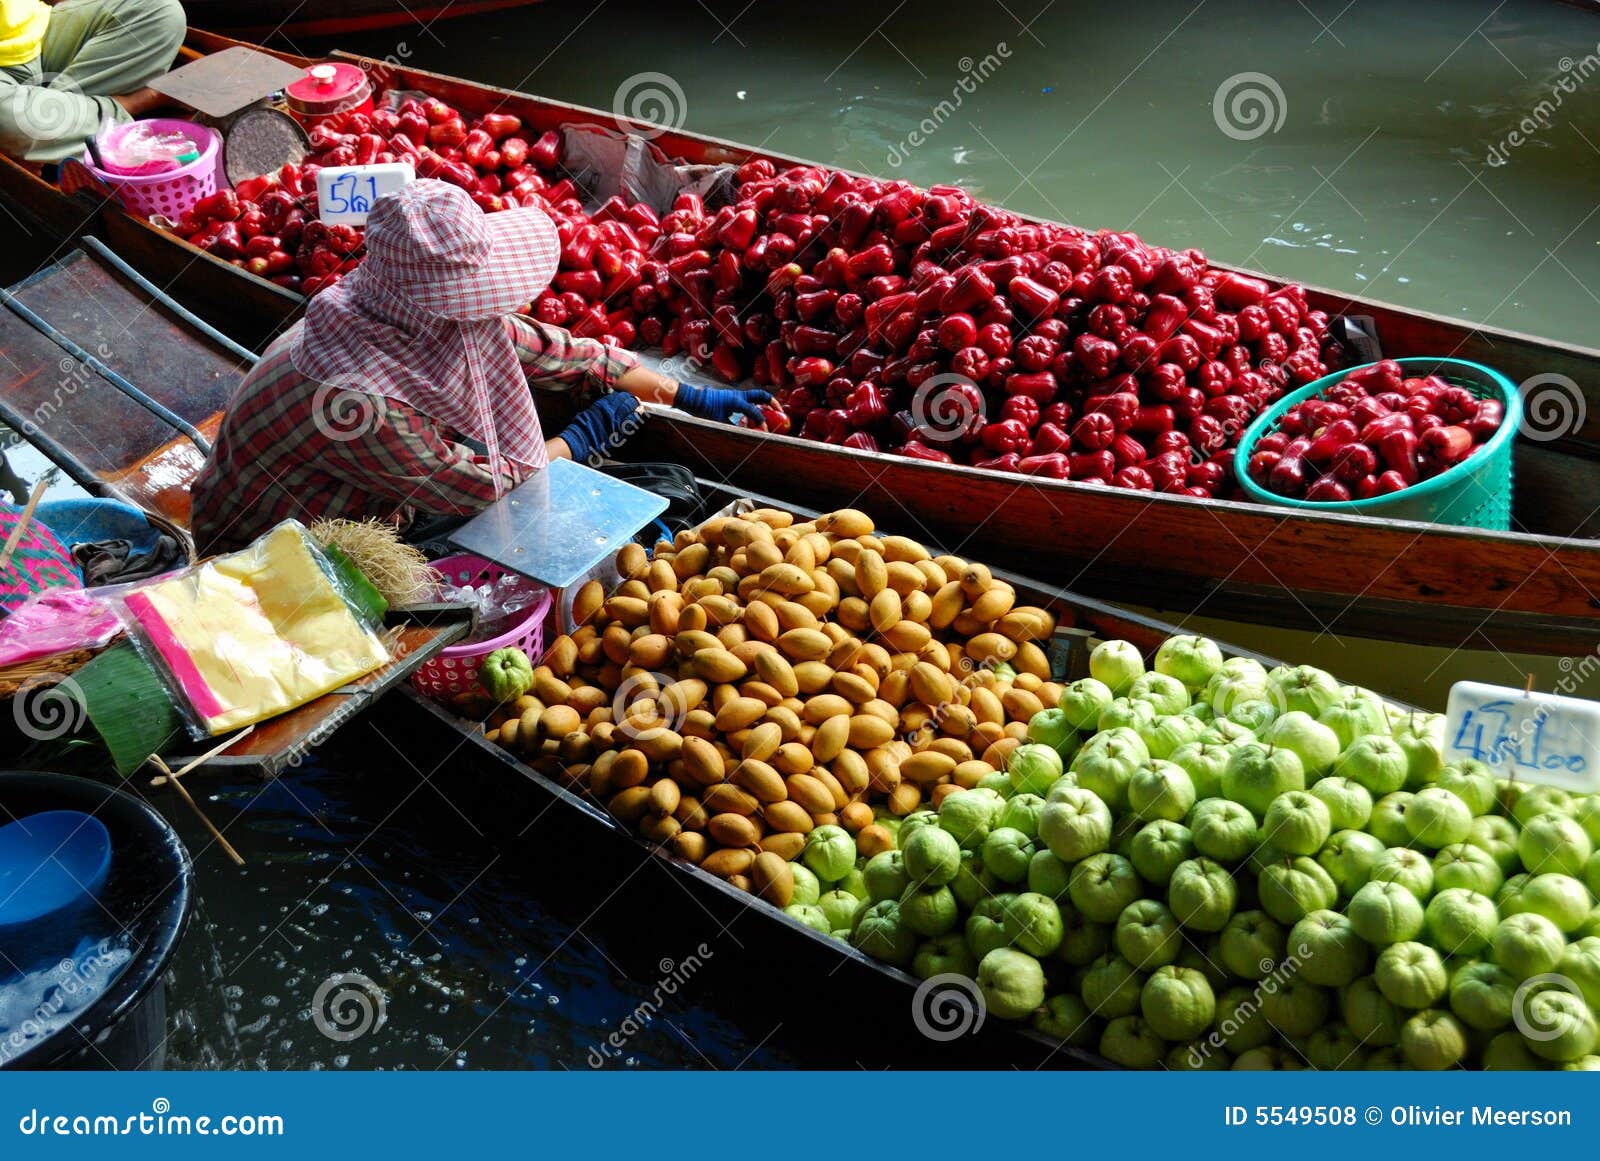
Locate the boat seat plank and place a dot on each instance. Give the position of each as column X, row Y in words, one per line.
column 48, row 396
column 94, row 308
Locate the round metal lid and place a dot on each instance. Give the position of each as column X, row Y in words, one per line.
column 262, row 141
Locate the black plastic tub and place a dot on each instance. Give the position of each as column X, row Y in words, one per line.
column 146, row 904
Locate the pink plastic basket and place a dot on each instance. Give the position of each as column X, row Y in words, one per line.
column 173, row 191
column 455, row 669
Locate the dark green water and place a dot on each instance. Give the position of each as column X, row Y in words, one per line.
column 1375, row 179
column 361, row 879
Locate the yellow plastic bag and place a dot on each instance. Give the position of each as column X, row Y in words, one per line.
column 255, row 633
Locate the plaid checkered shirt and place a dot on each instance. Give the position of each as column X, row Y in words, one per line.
column 292, row 447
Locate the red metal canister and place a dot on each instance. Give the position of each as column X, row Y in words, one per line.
column 329, row 89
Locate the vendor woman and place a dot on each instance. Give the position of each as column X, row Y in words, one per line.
column 66, row 69
column 367, row 406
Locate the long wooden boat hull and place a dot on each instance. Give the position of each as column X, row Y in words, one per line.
column 521, row 808
column 518, row 806
column 1536, row 592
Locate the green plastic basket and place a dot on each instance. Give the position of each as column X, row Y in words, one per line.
column 1475, row 493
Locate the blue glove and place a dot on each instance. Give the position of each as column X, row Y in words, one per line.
column 602, row 426
column 721, row 403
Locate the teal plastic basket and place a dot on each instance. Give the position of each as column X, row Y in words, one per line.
column 1475, row 493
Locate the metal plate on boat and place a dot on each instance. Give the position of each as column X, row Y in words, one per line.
column 222, row 83
column 560, row 523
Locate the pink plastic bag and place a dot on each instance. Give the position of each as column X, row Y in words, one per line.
column 56, row 621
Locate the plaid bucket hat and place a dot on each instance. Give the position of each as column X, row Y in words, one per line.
column 422, row 319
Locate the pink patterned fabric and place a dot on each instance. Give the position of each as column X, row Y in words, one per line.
column 421, row 320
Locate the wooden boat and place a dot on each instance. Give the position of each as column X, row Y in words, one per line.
column 1533, row 590
column 516, row 804
column 290, row 18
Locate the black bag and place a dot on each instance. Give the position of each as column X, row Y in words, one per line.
column 686, row 506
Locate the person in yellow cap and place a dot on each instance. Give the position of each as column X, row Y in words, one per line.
column 67, row 69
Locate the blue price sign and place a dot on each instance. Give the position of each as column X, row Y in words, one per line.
column 346, row 193
column 1528, row 737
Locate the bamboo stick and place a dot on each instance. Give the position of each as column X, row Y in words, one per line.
column 21, row 525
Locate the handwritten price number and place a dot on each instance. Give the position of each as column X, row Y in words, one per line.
column 344, row 196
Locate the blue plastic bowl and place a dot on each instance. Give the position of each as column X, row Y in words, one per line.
column 50, row 863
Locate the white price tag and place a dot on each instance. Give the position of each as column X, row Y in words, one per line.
column 345, row 193
column 1528, row 737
